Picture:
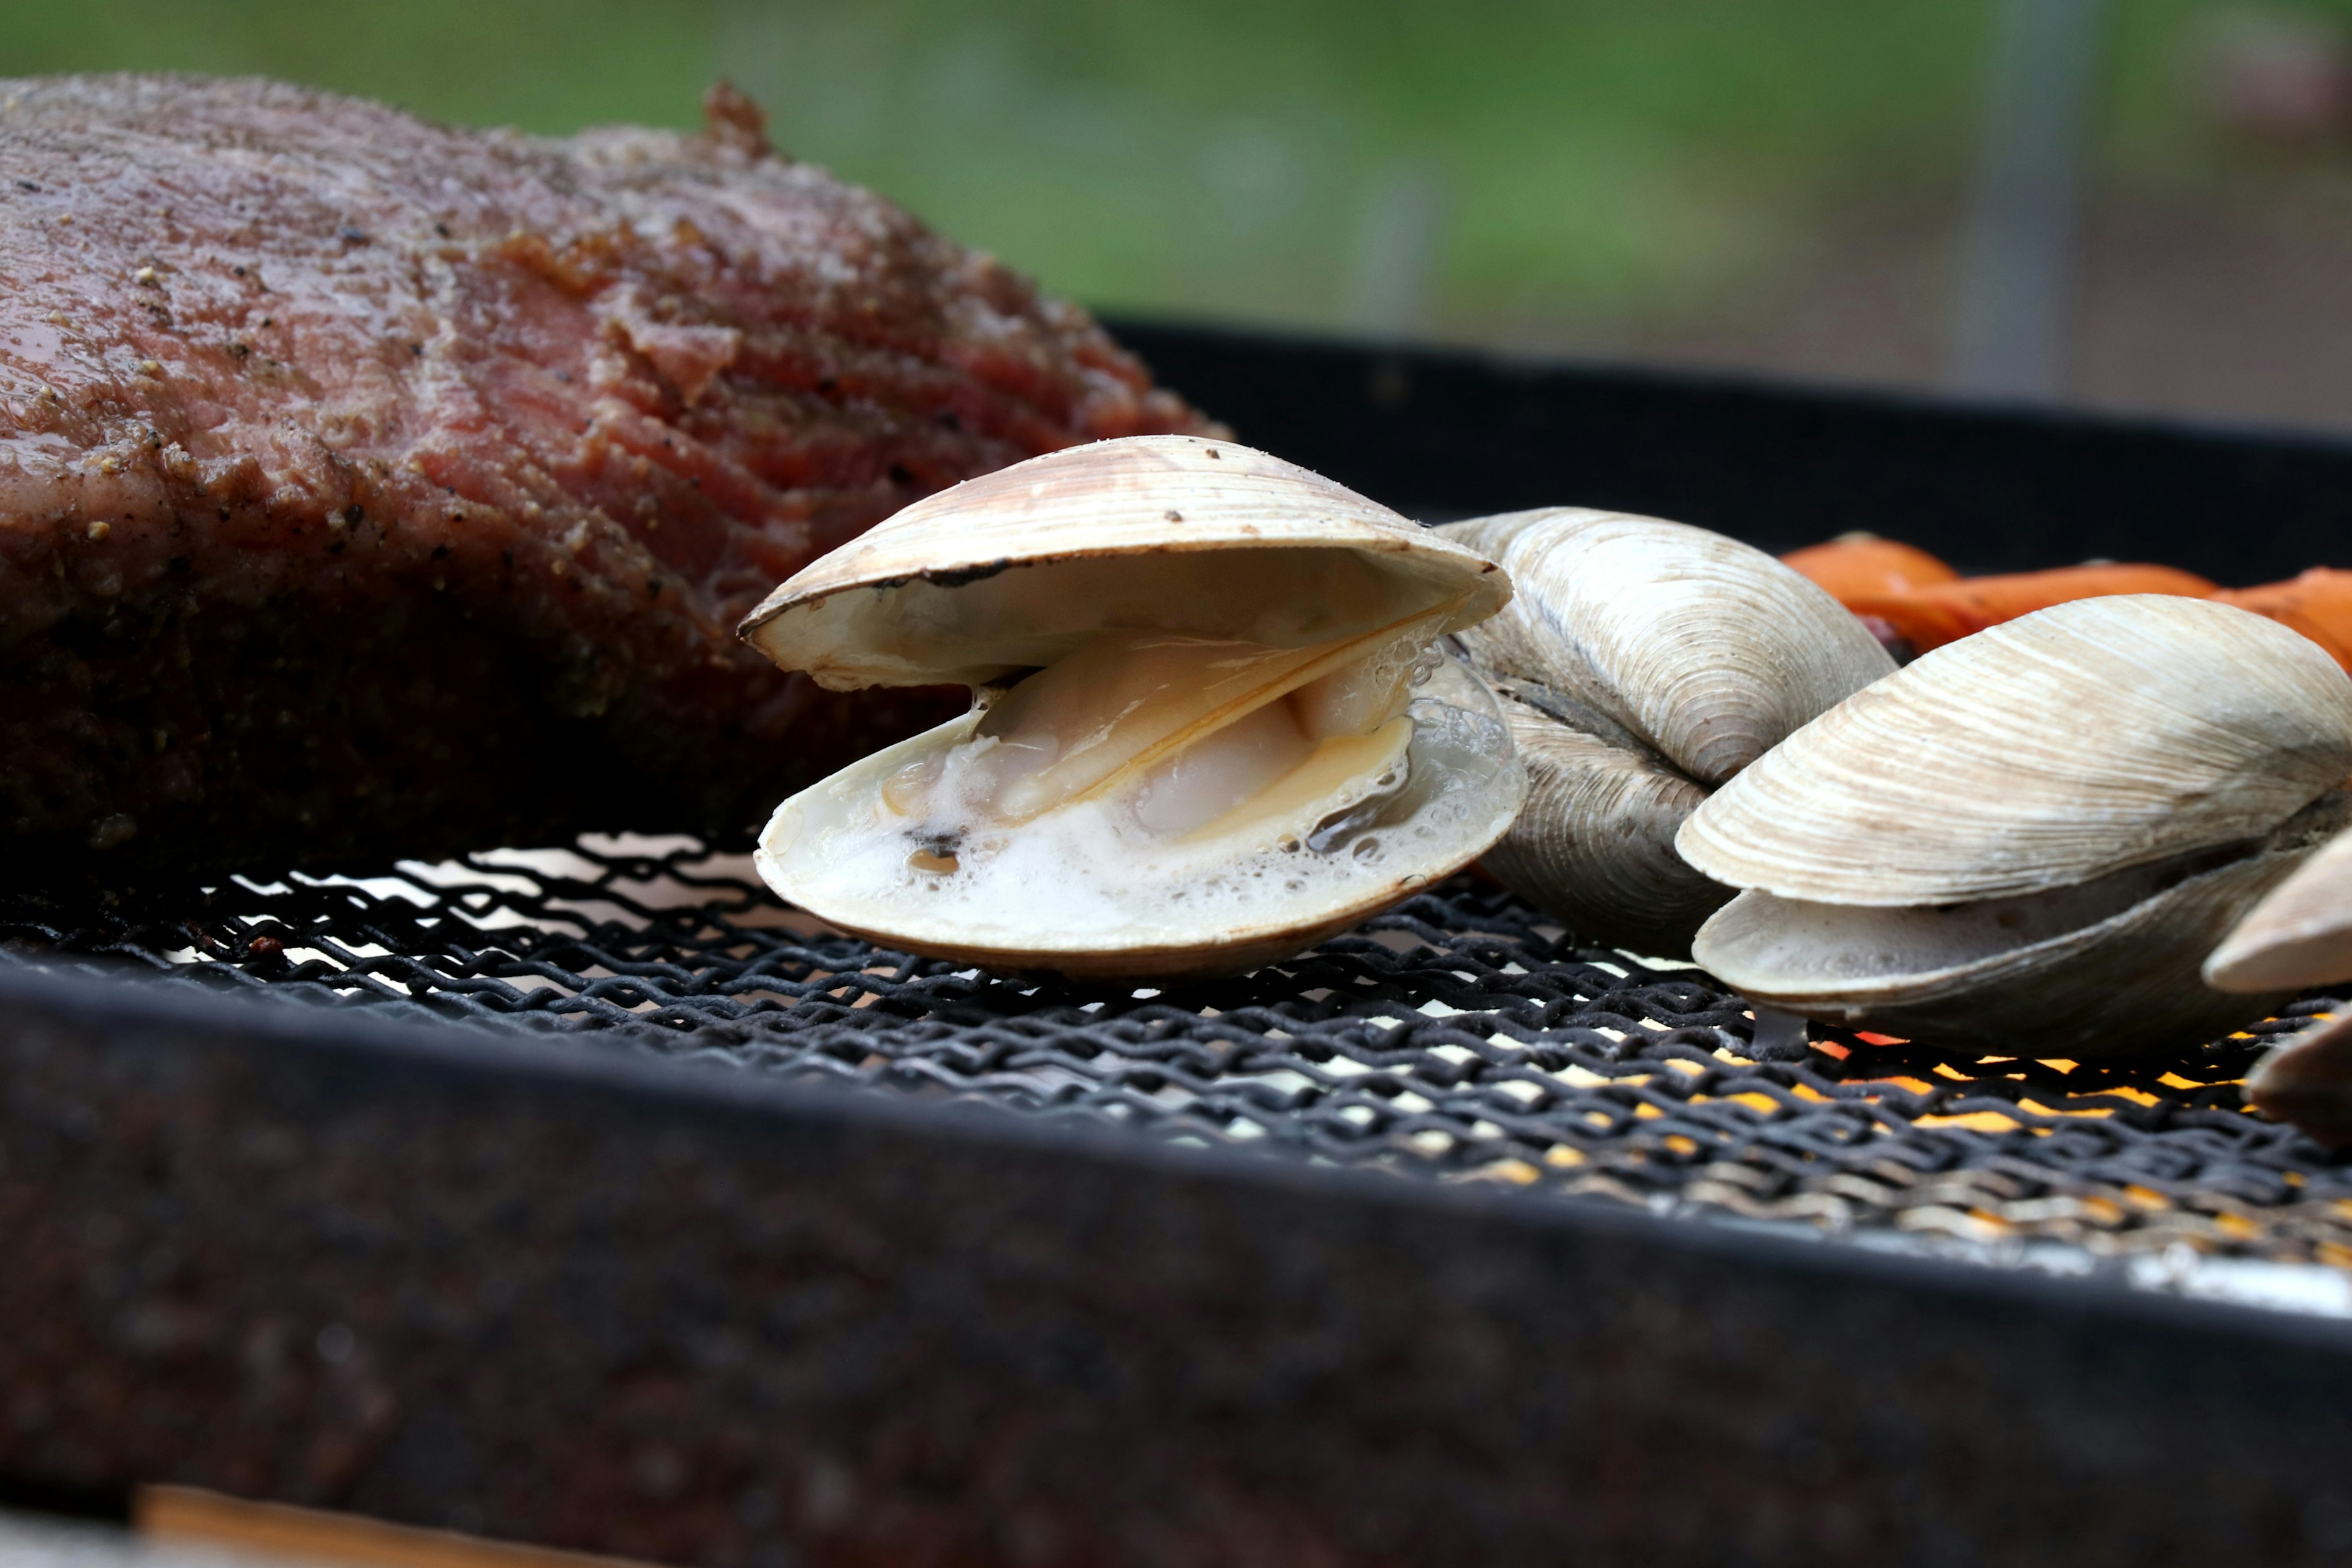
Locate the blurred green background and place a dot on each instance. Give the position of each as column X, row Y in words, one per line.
column 1773, row 185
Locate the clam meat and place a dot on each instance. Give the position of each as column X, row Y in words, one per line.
column 1640, row 665
column 1210, row 726
column 2028, row 839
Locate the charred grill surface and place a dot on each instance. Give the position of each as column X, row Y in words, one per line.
column 370, row 486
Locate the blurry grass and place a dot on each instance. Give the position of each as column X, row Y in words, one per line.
column 1585, row 159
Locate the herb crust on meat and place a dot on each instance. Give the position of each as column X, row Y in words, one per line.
column 368, row 487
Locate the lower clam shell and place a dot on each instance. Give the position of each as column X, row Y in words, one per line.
column 2307, row 1081
column 1019, row 908
column 2299, row 936
column 2115, row 984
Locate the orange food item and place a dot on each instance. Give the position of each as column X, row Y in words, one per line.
column 1906, row 593
column 2318, row 604
column 1864, row 564
column 1939, row 613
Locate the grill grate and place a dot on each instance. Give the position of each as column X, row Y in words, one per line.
column 1460, row 1037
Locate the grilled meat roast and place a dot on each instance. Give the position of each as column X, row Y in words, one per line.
column 371, row 487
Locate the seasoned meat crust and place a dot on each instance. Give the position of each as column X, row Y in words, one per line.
column 368, row 487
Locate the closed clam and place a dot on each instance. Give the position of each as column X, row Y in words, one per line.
column 1641, row 664
column 1210, row 726
column 2031, row 838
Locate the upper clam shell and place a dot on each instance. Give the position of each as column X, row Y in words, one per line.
column 1706, row 649
column 2071, row 743
column 1000, row 572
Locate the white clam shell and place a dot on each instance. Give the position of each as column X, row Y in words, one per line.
column 1184, row 917
column 2060, row 747
column 2308, row 1082
column 2297, row 936
column 1595, row 843
column 1706, row 649
column 2102, row 969
column 1000, row 572
column 1641, row 663
column 1202, row 539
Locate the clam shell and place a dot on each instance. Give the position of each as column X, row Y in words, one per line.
column 1176, row 532
column 1159, row 922
column 1641, row 663
column 2117, row 986
column 1595, row 843
column 1707, row 650
column 2058, row 748
column 2299, row 936
column 2308, row 1082
column 1270, row 580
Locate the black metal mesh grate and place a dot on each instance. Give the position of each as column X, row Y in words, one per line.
column 1461, row 1037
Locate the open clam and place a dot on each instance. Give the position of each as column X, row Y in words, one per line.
column 2029, row 839
column 1641, row 664
column 1210, row 726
